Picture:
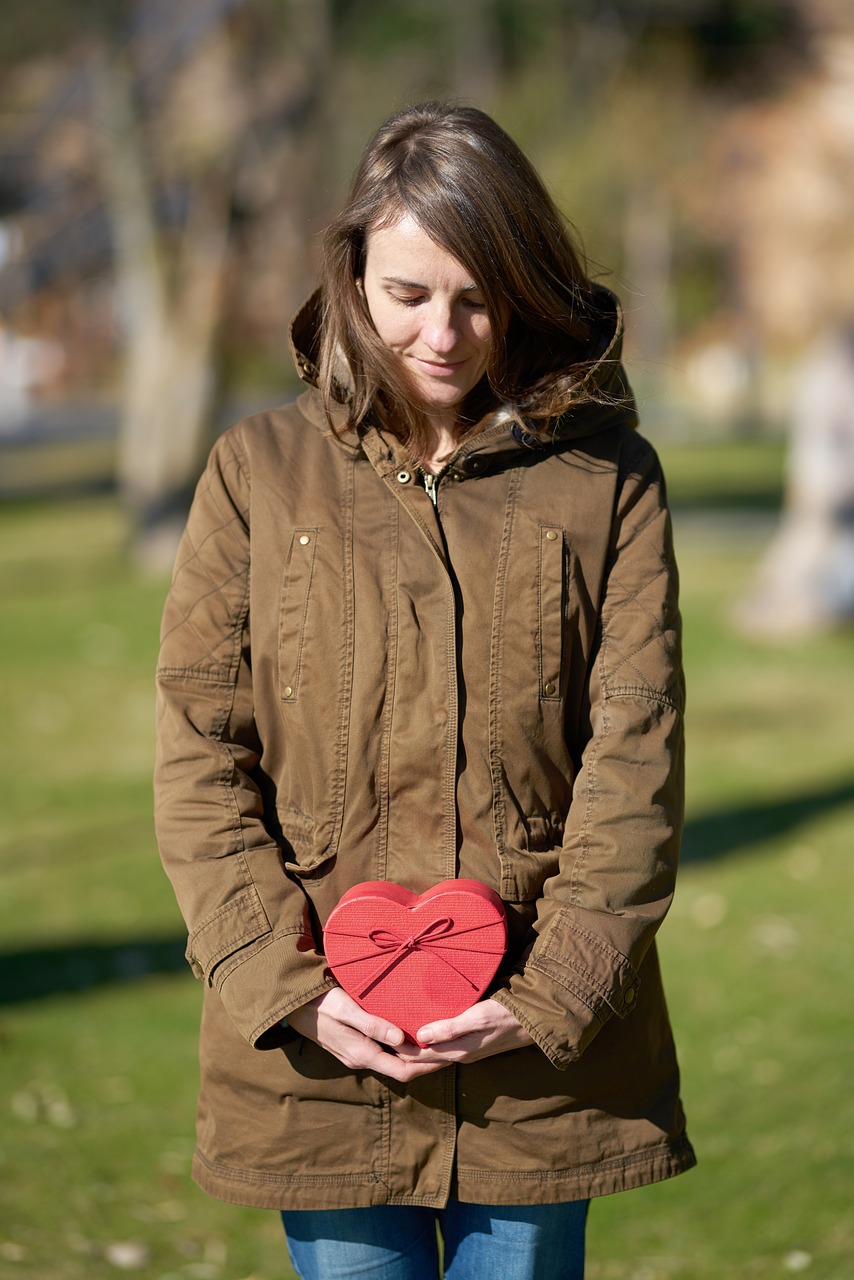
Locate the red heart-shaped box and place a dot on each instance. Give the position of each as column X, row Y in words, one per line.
column 414, row 958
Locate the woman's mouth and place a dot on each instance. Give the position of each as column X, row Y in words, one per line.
column 440, row 369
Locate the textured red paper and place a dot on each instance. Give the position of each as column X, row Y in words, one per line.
column 414, row 958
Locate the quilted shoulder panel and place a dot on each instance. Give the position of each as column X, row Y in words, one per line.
column 206, row 608
column 640, row 653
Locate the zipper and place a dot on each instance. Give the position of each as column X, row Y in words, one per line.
column 430, row 485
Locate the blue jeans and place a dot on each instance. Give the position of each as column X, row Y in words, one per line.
column 391, row 1242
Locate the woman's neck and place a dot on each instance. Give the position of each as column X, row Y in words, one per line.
column 445, row 433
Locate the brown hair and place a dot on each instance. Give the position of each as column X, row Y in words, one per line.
column 474, row 192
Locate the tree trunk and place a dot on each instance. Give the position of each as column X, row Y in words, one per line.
column 805, row 582
column 170, row 325
column 648, row 256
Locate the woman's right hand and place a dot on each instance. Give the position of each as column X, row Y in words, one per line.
column 357, row 1039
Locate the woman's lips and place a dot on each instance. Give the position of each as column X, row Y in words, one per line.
column 440, row 370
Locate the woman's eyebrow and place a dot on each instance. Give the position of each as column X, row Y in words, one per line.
column 413, row 284
column 404, row 284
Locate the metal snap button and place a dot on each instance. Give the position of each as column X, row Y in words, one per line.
column 550, row 689
column 629, row 995
column 287, row 691
column 551, row 535
column 403, row 477
column 304, row 540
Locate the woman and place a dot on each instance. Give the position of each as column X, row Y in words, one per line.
column 423, row 625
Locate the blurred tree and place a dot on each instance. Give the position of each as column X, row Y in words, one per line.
column 806, row 579
column 170, row 288
column 181, row 127
column 191, row 151
column 182, row 158
column 790, row 217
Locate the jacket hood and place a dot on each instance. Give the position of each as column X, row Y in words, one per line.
column 603, row 398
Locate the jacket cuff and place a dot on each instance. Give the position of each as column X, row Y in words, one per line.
column 271, row 983
column 587, row 966
column 264, row 976
column 529, row 1013
column 572, row 983
column 261, row 975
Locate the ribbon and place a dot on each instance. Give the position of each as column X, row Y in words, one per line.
column 397, row 946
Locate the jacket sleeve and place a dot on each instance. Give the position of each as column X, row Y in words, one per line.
column 249, row 932
column 598, row 916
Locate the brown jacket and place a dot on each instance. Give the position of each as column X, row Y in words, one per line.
column 356, row 685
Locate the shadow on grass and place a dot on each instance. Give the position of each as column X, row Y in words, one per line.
column 728, row 831
column 726, row 501
column 47, row 971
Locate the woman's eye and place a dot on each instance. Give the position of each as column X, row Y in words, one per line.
column 409, row 301
column 473, row 305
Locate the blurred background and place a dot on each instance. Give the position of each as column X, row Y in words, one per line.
column 165, row 169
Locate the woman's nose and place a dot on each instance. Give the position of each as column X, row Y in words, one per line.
column 440, row 333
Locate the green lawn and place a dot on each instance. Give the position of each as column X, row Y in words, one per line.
column 98, row 1016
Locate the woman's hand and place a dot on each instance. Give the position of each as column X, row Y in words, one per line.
column 485, row 1029
column 357, row 1039
column 364, row 1042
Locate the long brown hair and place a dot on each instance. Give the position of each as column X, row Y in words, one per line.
column 474, row 192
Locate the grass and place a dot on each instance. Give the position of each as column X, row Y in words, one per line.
column 98, row 1015
column 724, row 475
column 98, row 1067
column 755, row 956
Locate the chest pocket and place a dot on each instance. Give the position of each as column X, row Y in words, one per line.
column 551, row 600
column 293, row 610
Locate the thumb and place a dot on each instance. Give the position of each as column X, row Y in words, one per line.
column 440, row 1032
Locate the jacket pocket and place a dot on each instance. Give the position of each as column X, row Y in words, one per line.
column 551, row 602
column 307, row 848
column 293, row 610
column 530, row 856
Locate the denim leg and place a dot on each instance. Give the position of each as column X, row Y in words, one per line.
column 514, row 1242
column 384, row 1242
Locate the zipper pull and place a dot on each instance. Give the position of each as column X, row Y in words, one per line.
column 430, row 485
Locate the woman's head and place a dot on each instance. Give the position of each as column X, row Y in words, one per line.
column 429, row 312
column 452, row 175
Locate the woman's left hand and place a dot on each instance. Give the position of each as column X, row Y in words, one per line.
column 479, row 1032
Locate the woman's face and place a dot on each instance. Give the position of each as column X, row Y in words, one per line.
column 428, row 310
